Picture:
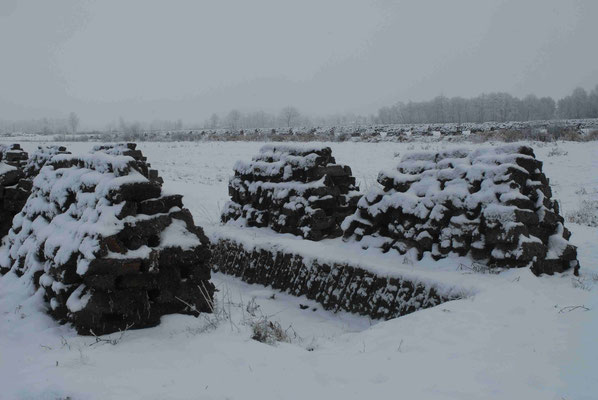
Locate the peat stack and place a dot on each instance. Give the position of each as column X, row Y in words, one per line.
column 109, row 250
column 493, row 204
column 292, row 189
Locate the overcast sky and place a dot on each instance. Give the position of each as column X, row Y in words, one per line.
column 145, row 60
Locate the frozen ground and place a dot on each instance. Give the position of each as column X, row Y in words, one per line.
column 519, row 337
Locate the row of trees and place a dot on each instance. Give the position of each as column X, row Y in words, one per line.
column 579, row 104
column 137, row 127
column 235, row 119
column 44, row 126
column 497, row 107
column 288, row 117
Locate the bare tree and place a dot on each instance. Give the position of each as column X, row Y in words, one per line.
column 594, row 102
column 233, row 119
column 289, row 115
column 73, row 122
column 214, row 120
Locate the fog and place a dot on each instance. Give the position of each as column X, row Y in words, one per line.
column 145, row 60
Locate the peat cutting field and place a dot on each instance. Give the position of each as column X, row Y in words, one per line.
column 496, row 334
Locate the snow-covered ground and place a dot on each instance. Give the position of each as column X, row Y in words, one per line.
column 519, row 336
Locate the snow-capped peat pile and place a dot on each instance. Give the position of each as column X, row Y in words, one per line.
column 107, row 247
column 292, row 189
column 300, row 190
column 13, row 190
column 493, row 204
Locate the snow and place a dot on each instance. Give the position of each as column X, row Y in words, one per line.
column 77, row 300
column 4, row 168
column 177, row 235
column 511, row 337
column 284, row 159
column 39, row 158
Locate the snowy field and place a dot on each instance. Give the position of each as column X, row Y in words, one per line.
column 520, row 337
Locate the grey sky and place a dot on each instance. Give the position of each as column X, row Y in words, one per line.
column 145, row 59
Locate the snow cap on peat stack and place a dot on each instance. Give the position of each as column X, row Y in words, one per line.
column 494, row 204
column 108, row 249
column 296, row 189
column 130, row 149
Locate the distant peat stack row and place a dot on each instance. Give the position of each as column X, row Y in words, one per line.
column 292, row 189
column 493, row 204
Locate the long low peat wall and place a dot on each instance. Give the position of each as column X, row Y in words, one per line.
column 337, row 286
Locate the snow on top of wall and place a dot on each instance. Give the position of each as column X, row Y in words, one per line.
column 114, row 149
column 439, row 275
column 294, row 149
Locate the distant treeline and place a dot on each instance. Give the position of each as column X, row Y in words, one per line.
column 491, row 107
column 498, row 107
column 44, row 126
column 495, row 107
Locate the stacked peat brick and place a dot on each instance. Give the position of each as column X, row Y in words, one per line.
column 301, row 190
column 292, row 189
column 13, row 189
column 109, row 250
column 494, row 204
